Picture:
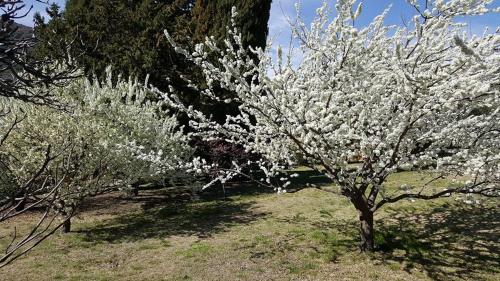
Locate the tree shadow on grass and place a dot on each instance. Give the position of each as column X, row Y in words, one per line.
column 448, row 242
column 329, row 238
column 304, row 179
column 200, row 218
column 232, row 189
column 308, row 177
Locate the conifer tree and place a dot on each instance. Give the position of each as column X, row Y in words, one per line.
column 127, row 35
column 212, row 18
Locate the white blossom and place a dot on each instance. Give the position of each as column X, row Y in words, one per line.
column 391, row 97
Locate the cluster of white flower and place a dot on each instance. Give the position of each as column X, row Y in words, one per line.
column 394, row 97
column 110, row 135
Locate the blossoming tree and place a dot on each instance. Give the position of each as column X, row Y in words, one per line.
column 109, row 136
column 395, row 97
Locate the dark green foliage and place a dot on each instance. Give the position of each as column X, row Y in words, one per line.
column 128, row 35
column 212, row 17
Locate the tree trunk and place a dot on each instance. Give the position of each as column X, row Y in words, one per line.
column 366, row 231
column 20, row 205
column 66, row 228
column 132, row 190
column 135, row 191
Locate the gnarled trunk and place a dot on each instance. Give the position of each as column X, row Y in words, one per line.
column 366, row 231
column 66, row 227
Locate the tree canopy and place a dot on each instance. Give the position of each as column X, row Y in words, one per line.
column 128, row 36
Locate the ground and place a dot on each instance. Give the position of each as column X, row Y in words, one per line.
column 255, row 234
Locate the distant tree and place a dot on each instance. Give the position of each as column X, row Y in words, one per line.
column 108, row 137
column 20, row 71
column 128, row 36
column 123, row 34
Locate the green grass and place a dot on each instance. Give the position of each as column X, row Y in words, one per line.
column 196, row 250
column 255, row 234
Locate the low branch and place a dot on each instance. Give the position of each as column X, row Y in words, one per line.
column 486, row 191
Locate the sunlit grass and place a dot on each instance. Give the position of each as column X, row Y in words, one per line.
column 255, row 234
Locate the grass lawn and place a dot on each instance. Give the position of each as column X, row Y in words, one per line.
column 255, row 234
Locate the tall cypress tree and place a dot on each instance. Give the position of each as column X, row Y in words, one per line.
column 128, row 34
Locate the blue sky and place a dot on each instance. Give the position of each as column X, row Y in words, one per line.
column 278, row 26
column 279, row 29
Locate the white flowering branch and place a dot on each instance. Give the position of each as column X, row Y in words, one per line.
column 425, row 95
column 111, row 135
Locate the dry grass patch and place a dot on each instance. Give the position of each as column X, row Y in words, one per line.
column 257, row 235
